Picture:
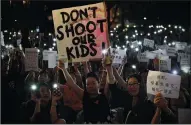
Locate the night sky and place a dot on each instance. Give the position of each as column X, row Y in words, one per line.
column 177, row 12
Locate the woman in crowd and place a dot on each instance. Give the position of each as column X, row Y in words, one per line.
column 95, row 105
column 137, row 109
column 72, row 103
column 43, row 109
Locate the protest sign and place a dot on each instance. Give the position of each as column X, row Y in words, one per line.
column 135, row 44
column 162, row 47
column 81, row 31
column 180, row 45
column 160, row 52
column 181, row 55
column 142, row 57
column 117, row 55
column 53, row 60
column 31, row 59
column 165, row 65
column 150, row 55
column 47, row 52
column 171, row 51
column 162, row 57
column 2, row 39
column 167, row 84
column 185, row 63
column 148, row 43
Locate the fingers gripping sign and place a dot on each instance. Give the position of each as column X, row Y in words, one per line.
column 160, row 101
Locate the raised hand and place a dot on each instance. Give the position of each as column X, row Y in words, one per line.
column 160, row 101
column 56, row 95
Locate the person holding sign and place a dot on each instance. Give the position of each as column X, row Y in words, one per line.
column 137, row 109
column 95, row 105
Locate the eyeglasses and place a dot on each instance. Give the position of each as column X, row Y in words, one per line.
column 132, row 84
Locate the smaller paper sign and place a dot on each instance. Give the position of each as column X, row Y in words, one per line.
column 180, row 45
column 117, row 55
column 162, row 47
column 148, row 43
column 167, row 84
column 2, row 39
column 31, row 59
column 150, row 55
column 181, row 55
column 171, row 51
column 46, row 53
column 160, row 52
column 142, row 57
column 165, row 65
column 135, row 44
column 185, row 63
column 52, row 59
column 162, row 57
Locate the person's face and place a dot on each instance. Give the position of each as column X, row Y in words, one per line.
column 43, row 78
column 133, row 86
column 45, row 93
column 92, row 85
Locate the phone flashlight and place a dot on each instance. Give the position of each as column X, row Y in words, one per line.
column 33, row 87
column 55, row 85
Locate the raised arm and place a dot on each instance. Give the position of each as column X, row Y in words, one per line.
column 78, row 76
column 86, row 69
column 36, row 111
column 122, row 66
column 111, row 78
column 70, row 81
column 119, row 79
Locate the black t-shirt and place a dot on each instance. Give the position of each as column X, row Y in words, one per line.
column 95, row 109
column 141, row 113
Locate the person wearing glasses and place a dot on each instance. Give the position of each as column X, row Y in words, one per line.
column 137, row 109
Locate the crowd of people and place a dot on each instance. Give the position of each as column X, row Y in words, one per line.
column 87, row 92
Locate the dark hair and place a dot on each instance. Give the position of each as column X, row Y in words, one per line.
column 142, row 91
column 43, row 84
column 138, row 77
column 91, row 74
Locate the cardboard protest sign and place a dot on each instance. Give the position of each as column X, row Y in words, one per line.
column 167, row 84
column 142, row 57
column 165, row 65
column 117, row 55
column 81, row 31
column 148, row 43
column 171, row 51
column 47, row 52
column 180, row 45
column 31, row 59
